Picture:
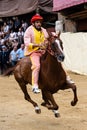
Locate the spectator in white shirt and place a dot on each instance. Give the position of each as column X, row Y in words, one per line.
column 24, row 25
column 5, row 28
column 13, row 36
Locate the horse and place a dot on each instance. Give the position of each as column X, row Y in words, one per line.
column 52, row 76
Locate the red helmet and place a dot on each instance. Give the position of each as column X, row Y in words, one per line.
column 36, row 17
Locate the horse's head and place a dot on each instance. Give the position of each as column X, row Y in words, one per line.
column 56, row 46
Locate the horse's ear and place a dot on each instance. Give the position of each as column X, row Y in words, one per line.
column 49, row 33
column 54, row 34
column 58, row 34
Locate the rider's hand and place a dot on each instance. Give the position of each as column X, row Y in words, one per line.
column 44, row 45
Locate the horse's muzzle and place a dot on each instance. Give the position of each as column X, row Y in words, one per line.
column 61, row 58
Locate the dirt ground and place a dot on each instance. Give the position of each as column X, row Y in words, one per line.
column 18, row 114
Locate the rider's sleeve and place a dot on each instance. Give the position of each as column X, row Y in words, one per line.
column 28, row 38
column 45, row 33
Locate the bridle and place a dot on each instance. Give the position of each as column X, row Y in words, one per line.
column 53, row 47
column 50, row 51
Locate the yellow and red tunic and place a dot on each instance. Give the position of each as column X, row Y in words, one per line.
column 33, row 36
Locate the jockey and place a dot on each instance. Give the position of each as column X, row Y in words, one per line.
column 35, row 39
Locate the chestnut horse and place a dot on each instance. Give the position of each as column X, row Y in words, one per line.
column 52, row 76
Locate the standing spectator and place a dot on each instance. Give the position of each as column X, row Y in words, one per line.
column 11, row 25
column 13, row 56
column 24, row 25
column 20, row 52
column 1, row 31
column 6, row 31
column 2, row 40
column 4, row 59
column 20, row 36
column 17, row 24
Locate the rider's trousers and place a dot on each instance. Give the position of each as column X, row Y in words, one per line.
column 35, row 60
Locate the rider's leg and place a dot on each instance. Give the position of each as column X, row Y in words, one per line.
column 35, row 59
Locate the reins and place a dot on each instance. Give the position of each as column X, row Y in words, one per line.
column 49, row 50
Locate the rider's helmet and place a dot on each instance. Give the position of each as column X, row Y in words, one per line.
column 36, row 17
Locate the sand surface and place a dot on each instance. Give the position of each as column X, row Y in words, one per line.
column 18, row 114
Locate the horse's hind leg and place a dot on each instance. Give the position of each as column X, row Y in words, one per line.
column 46, row 102
column 50, row 102
column 73, row 87
column 49, row 99
column 27, row 97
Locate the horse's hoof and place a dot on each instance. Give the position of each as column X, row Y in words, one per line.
column 73, row 103
column 37, row 110
column 43, row 104
column 57, row 115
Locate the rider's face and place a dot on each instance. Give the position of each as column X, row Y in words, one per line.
column 37, row 24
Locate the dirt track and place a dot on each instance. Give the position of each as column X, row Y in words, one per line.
column 18, row 114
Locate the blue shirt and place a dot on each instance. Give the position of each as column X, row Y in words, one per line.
column 20, row 53
column 13, row 55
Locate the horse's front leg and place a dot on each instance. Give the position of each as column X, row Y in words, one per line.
column 73, row 87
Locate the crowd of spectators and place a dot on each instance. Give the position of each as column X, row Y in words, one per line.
column 11, row 42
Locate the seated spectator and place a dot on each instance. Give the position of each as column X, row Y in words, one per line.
column 13, row 56
column 5, row 28
column 7, row 36
column 20, row 52
column 13, row 36
column 14, row 43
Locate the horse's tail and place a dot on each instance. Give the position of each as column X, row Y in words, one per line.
column 9, row 71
